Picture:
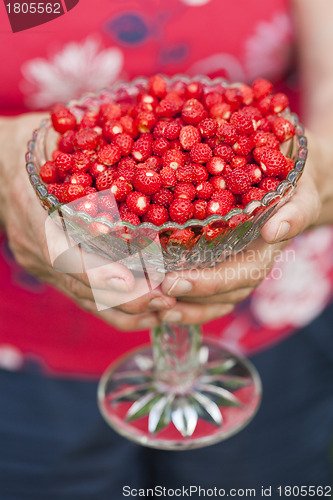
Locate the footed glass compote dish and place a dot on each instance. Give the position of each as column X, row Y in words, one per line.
column 182, row 391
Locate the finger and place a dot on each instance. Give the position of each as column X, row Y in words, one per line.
column 246, row 269
column 224, row 298
column 300, row 212
column 123, row 321
column 190, row 314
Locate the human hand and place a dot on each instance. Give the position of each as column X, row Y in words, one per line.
column 206, row 294
column 24, row 221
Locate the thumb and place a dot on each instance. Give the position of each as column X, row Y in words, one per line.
column 299, row 213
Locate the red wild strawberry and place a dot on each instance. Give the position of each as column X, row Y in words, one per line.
column 145, row 121
column 148, row 99
column 65, row 143
column 261, row 138
column 105, row 179
column 208, row 127
column 142, row 148
column 189, row 136
column 181, row 210
column 233, row 97
column 64, row 162
column 125, row 172
column 221, row 111
column 225, row 195
column 147, row 181
column 246, row 94
column 261, row 88
column 227, row 133
column 159, row 129
column 163, row 197
column 237, row 219
column 87, row 206
column 91, row 193
column 124, row 142
column 89, row 120
column 264, row 105
column 183, row 237
column 193, row 112
column 132, row 218
column 174, row 97
column 99, row 226
column 283, row 129
column 243, row 145
column 107, row 203
column 271, row 162
column 220, row 206
column 166, row 108
column 120, row 189
column 81, row 178
column 160, row 146
column 62, row 119
column 72, row 192
column 49, row 172
column 242, row 123
column 173, row 159
column 269, row 183
column 194, row 90
column 279, row 102
column 96, row 168
column 172, row 130
column 111, row 129
column 216, row 165
column 212, row 98
column 185, row 190
column 86, row 138
column 254, row 171
column 157, row 214
column 200, row 209
column 175, row 145
column 237, row 162
column 168, row 177
column 108, row 112
column 288, row 167
column 201, row 153
column 185, row 173
column 128, row 125
column 238, row 181
column 137, row 202
column 200, row 173
column 109, row 155
column 254, row 193
column 225, row 152
column 218, row 182
column 204, row 190
column 153, row 163
column 157, row 86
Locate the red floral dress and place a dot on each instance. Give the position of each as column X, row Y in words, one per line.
column 89, row 48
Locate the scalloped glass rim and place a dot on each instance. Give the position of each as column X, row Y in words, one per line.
column 51, row 202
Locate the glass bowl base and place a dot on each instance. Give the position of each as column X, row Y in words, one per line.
column 213, row 404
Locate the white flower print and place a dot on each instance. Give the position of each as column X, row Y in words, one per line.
column 219, row 62
column 298, row 288
column 10, row 357
column 267, row 52
column 79, row 67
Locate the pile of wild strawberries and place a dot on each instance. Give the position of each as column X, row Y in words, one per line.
column 177, row 154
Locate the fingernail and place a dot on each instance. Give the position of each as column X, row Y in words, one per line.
column 158, row 303
column 118, row 284
column 147, row 323
column 172, row 316
column 283, row 230
column 180, row 287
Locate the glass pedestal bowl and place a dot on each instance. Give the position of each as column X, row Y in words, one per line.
column 180, row 392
